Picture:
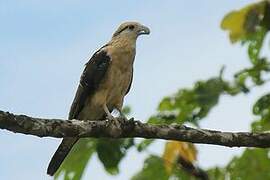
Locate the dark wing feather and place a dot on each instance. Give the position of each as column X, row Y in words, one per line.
column 130, row 81
column 93, row 73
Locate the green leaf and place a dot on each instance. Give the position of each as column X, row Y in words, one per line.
column 254, row 73
column 261, row 125
column 254, row 161
column 111, row 151
column 190, row 105
column 77, row 160
column 179, row 174
column 262, row 108
column 144, row 144
column 162, row 118
column 255, row 42
column 252, row 164
column 166, row 104
column 153, row 168
column 216, row 173
column 126, row 110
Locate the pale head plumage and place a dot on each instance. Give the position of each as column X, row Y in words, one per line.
column 132, row 29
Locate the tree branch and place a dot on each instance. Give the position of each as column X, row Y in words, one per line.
column 125, row 129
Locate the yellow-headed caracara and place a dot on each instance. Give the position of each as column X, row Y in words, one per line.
column 105, row 81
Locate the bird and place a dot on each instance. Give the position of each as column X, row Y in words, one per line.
column 105, row 81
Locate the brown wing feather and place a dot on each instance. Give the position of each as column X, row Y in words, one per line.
column 93, row 73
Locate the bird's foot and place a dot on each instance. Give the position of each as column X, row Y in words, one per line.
column 123, row 118
column 110, row 117
column 114, row 120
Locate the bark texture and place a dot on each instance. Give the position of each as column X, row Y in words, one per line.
column 119, row 128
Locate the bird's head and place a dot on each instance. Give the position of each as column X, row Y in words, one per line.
column 131, row 29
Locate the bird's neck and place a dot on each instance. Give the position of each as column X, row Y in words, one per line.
column 123, row 49
column 126, row 43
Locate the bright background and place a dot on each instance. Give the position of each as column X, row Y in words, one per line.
column 44, row 45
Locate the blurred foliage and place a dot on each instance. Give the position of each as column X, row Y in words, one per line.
column 144, row 144
column 254, row 26
column 252, row 164
column 254, row 73
column 192, row 105
column 250, row 26
column 111, row 151
column 247, row 26
column 262, row 109
column 126, row 110
column 154, row 168
column 76, row 161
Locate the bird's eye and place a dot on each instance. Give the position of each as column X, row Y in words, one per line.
column 131, row 27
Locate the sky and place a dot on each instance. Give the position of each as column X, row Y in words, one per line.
column 45, row 44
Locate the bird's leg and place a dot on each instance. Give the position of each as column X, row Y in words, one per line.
column 110, row 116
column 108, row 113
column 122, row 115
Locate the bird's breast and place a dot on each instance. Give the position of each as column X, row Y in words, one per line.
column 119, row 78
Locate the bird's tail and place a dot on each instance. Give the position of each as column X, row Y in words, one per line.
column 60, row 154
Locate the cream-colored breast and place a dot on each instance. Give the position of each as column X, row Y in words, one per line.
column 120, row 74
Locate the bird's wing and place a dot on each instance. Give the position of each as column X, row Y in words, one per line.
column 93, row 73
column 131, row 79
column 91, row 77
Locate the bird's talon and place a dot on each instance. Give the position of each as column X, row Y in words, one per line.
column 113, row 120
column 110, row 118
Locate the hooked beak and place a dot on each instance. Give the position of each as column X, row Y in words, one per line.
column 144, row 30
